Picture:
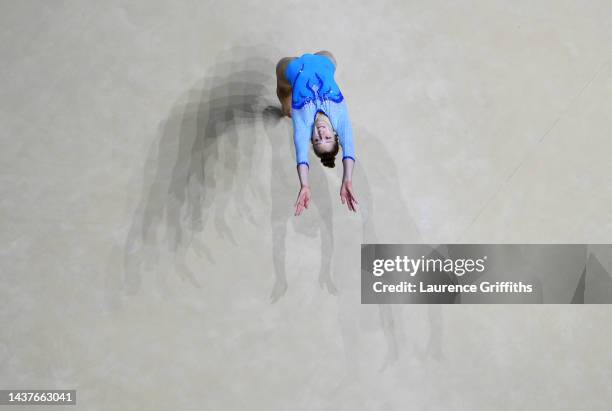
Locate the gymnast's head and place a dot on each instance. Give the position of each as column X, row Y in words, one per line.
column 325, row 141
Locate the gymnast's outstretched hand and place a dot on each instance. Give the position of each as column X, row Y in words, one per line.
column 303, row 200
column 347, row 196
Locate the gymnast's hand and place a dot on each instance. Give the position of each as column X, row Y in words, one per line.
column 303, row 200
column 347, row 196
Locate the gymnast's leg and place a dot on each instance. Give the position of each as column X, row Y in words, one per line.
column 283, row 87
column 328, row 55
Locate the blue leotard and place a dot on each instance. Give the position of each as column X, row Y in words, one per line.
column 315, row 90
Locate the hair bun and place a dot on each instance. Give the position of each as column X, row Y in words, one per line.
column 329, row 161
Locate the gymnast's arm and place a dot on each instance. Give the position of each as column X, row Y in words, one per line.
column 303, row 200
column 347, row 164
column 302, row 170
column 345, row 134
column 301, row 139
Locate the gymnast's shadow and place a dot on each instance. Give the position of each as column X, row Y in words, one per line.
column 191, row 172
column 341, row 236
column 190, row 178
column 316, row 221
column 384, row 217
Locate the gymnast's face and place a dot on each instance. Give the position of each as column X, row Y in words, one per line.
column 323, row 137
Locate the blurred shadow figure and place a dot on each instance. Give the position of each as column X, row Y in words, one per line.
column 384, row 217
column 281, row 184
column 194, row 165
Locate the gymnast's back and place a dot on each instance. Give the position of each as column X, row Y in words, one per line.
column 312, row 78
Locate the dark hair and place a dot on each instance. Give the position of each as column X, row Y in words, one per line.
column 328, row 159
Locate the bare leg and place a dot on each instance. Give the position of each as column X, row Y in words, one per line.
column 328, row 55
column 283, row 87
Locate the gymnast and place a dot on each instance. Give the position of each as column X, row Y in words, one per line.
column 309, row 95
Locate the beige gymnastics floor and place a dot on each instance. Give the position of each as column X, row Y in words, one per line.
column 149, row 256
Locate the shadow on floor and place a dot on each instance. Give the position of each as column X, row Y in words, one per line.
column 191, row 172
column 190, row 177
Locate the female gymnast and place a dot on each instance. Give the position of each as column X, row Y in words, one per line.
column 309, row 95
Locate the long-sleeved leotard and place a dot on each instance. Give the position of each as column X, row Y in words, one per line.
column 315, row 90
